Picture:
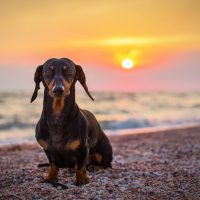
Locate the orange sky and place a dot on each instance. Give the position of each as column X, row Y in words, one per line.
column 162, row 37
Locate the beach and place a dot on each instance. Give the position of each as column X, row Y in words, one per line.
column 162, row 164
column 72, row 71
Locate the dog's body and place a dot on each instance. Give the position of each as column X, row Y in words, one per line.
column 70, row 137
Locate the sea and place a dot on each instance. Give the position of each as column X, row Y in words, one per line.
column 117, row 112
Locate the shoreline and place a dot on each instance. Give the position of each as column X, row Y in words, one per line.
column 158, row 165
column 110, row 133
column 148, row 130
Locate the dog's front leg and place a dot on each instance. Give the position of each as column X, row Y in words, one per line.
column 80, row 168
column 52, row 174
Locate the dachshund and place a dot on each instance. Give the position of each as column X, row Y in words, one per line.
column 70, row 137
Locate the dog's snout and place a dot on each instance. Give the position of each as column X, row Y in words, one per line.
column 58, row 89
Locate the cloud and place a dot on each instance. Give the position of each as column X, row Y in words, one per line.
column 135, row 41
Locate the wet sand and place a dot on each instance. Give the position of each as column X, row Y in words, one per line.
column 158, row 165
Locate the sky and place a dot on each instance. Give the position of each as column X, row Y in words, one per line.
column 161, row 37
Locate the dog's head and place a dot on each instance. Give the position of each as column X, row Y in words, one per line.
column 58, row 75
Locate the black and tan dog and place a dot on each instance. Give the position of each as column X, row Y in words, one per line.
column 71, row 137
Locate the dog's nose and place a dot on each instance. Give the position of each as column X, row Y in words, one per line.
column 58, row 90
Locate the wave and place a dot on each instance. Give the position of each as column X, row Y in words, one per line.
column 126, row 124
column 16, row 125
column 132, row 123
column 113, row 110
column 129, row 123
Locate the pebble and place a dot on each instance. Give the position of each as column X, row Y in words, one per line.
column 59, row 187
column 148, row 169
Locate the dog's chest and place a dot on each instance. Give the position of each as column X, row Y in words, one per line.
column 62, row 149
column 57, row 140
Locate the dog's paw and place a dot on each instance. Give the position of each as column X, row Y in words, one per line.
column 81, row 180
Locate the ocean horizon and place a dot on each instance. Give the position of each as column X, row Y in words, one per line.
column 117, row 112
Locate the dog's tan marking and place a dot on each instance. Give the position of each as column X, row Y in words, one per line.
column 66, row 84
column 43, row 144
column 58, row 104
column 51, row 67
column 52, row 174
column 81, row 176
column 49, row 84
column 98, row 157
column 73, row 145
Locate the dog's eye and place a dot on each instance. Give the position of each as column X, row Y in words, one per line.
column 49, row 71
column 67, row 71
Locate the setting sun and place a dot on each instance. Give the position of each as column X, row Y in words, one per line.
column 127, row 63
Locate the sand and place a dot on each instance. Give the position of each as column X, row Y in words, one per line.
column 160, row 165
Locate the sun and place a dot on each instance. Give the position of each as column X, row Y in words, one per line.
column 127, row 63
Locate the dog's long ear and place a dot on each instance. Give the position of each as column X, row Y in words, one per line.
column 37, row 79
column 80, row 76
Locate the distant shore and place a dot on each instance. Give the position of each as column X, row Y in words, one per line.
column 162, row 164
